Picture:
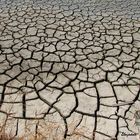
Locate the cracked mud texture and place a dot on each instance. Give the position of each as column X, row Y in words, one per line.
column 72, row 65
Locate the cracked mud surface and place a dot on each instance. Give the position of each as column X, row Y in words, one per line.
column 74, row 65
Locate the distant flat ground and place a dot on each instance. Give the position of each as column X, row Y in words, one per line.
column 70, row 70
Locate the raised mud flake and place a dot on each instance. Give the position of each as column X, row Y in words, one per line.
column 66, row 104
column 26, row 54
column 32, row 39
column 113, row 32
column 96, row 75
column 6, row 44
column 136, row 36
column 31, row 31
column 113, row 76
column 104, row 127
column 127, row 39
column 109, row 66
column 126, row 58
column 105, row 89
column 50, row 95
column 113, row 52
column 33, row 108
column 86, row 104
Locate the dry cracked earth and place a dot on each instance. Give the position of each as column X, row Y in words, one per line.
column 70, row 69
